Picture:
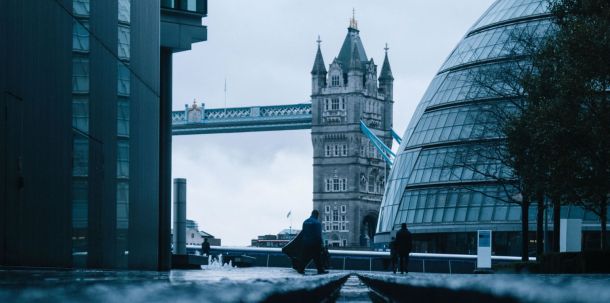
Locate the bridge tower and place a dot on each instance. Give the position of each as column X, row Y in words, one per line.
column 349, row 174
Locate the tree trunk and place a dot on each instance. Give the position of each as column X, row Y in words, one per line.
column 525, row 231
column 540, row 225
column 603, row 207
column 556, row 222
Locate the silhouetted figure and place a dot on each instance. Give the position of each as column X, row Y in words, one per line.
column 403, row 247
column 205, row 247
column 312, row 243
column 393, row 254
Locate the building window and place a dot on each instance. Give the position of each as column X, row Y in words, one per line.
column 342, row 103
column 327, row 209
column 80, row 75
column 123, row 117
column 80, row 36
column 336, row 150
column 335, row 227
column 122, row 205
column 336, row 185
column 326, row 227
column 124, row 11
column 122, row 165
column 334, row 80
column 124, row 82
column 371, row 184
column 343, row 218
column 344, row 150
column 335, row 103
column 80, row 157
column 343, row 209
column 335, row 216
column 326, row 104
column 343, row 227
column 80, row 7
column 80, row 113
column 344, row 242
column 328, row 153
column 123, row 44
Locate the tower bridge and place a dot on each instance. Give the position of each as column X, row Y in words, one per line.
column 350, row 117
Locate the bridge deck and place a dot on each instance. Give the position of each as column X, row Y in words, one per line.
column 198, row 120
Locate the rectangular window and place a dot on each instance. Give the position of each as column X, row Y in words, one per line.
column 125, row 11
column 80, row 36
column 122, row 205
column 344, row 150
column 335, row 184
column 124, row 82
column 343, row 226
column 80, row 114
column 123, row 117
column 80, row 7
column 122, row 165
column 80, row 157
column 335, row 226
column 326, row 218
column 335, row 81
column 344, row 185
column 328, row 153
column 371, row 184
column 123, row 47
column 335, row 216
column 326, row 104
column 335, row 104
column 343, row 218
column 80, row 204
column 336, row 150
column 327, row 210
column 328, row 185
column 343, row 210
column 80, row 75
column 344, row 242
column 342, row 103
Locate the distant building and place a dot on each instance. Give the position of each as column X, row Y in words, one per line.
column 279, row 240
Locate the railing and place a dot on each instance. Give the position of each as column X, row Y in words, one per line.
column 195, row 6
column 367, row 260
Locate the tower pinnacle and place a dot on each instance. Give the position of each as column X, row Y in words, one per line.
column 353, row 24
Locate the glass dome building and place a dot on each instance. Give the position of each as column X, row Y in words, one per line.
column 444, row 202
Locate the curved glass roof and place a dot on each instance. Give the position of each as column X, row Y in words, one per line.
column 434, row 183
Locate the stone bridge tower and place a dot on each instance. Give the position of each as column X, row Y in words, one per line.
column 349, row 173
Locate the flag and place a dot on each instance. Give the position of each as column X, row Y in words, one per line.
column 288, row 215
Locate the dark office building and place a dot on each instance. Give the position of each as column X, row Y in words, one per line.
column 81, row 150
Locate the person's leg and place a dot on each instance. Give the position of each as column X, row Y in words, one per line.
column 394, row 263
column 402, row 263
column 407, row 263
column 317, row 259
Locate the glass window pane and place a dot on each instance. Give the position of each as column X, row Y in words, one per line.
column 80, row 156
column 124, row 42
column 123, row 117
column 124, row 84
column 125, row 11
column 123, row 159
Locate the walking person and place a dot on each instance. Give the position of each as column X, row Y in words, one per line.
column 403, row 246
column 205, row 247
column 312, row 243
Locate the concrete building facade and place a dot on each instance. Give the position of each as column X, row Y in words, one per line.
column 349, row 174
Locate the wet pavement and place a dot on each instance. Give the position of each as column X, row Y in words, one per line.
column 223, row 284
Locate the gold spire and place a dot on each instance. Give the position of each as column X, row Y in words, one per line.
column 352, row 22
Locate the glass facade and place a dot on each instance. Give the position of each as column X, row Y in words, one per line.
column 438, row 186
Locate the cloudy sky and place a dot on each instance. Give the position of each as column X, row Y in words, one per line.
column 243, row 185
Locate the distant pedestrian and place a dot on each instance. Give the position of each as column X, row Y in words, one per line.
column 403, row 247
column 205, row 247
column 393, row 254
column 312, row 243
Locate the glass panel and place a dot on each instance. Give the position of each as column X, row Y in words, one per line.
column 123, row 159
column 80, row 157
column 80, row 7
column 123, row 117
column 80, row 114
column 125, row 11
column 124, row 34
column 80, row 36
column 460, row 214
column 124, row 84
column 80, row 75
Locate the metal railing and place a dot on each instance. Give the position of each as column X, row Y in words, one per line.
column 369, row 260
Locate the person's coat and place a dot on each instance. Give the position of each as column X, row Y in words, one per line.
column 312, row 233
column 403, row 242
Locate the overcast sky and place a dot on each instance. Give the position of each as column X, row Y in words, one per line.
column 240, row 186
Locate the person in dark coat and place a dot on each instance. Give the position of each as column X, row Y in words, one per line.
column 403, row 247
column 312, row 243
column 393, row 254
column 205, row 247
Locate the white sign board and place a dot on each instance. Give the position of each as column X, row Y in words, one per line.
column 570, row 235
column 484, row 249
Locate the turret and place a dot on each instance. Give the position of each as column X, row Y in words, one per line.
column 386, row 80
column 318, row 72
column 386, row 86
